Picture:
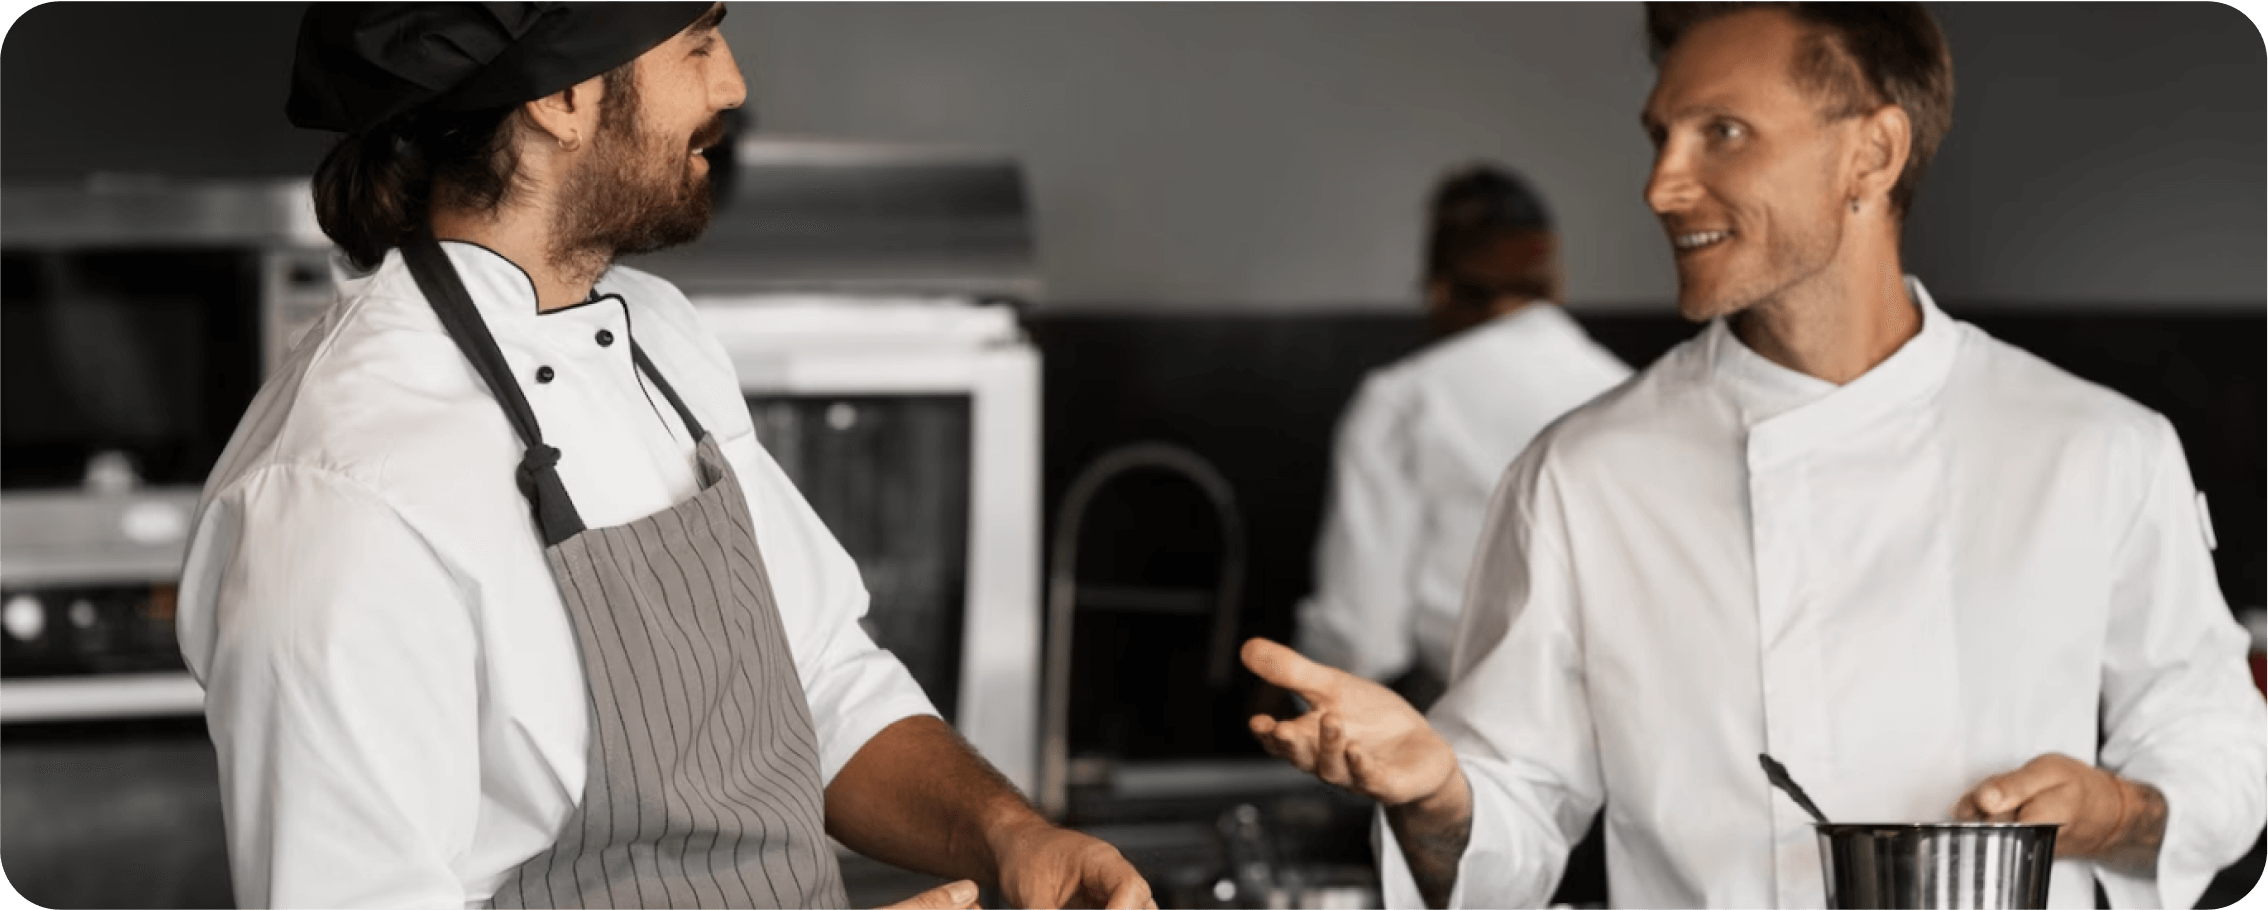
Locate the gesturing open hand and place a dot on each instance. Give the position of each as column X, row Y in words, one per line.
column 1358, row 735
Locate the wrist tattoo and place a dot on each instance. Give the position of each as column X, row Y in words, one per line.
column 2134, row 846
column 1433, row 847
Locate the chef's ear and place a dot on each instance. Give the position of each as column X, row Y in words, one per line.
column 1885, row 140
column 568, row 118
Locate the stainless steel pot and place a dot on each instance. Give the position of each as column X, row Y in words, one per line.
column 1981, row 864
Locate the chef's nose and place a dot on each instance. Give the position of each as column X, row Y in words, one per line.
column 1671, row 187
column 729, row 90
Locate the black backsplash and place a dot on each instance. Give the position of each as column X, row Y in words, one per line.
column 1259, row 396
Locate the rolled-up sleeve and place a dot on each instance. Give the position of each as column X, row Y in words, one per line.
column 1517, row 712
column 855, row 687
column 2179, row 708
column 338, row 661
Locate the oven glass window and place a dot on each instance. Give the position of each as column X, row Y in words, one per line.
column 890, row 477
column 126, row 365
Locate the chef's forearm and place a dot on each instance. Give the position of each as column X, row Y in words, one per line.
column 2134, row 847
column 918, row 797
column 1433, row 833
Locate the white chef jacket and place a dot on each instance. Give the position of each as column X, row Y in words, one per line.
column 390, row 675
column 1897, row 587
column 1421, row 445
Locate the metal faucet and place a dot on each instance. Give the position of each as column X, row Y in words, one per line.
column 1063, row 594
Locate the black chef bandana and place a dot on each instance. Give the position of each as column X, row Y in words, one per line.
column 362, row 64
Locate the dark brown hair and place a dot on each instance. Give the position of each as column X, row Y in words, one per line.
column 374, row 187
column 1859, row 56
column 1472, row 207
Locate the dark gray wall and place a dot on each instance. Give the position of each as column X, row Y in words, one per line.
column 1273, row 156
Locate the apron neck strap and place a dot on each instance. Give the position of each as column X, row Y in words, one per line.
column 538, row 473
column 692, row 425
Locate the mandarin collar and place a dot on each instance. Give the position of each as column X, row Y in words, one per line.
column 1768, row 393
column 506, row 296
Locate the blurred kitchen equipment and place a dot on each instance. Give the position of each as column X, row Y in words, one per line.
column 1780, row 779
column 867, row 295
column 1066, row 595
column 862, row 220
column 137, row 318
column 1985, row 865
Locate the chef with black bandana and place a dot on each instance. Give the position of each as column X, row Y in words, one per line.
column 494, row 596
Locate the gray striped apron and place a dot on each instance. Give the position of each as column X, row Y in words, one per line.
column 703, row 787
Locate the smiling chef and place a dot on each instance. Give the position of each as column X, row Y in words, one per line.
column 494, row 595
column 1930, row 573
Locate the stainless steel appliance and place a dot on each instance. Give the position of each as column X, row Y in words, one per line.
column 1981, row 864
column 136, row 321
column 868, row 296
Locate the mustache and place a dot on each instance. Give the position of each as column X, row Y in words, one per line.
column 711, row 133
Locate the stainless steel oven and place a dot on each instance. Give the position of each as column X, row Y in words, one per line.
column 868, row 295
column 136, row 322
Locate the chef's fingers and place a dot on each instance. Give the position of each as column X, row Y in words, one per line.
column 1284, row 667
column 2001, row 794
column 960, row 895
column 1130, row 892
column 1331, row 749
column 1294, row 741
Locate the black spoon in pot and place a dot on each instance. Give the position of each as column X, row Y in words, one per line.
column 1780, row 779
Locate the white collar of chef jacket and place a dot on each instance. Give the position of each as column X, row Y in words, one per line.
column 1767, row 393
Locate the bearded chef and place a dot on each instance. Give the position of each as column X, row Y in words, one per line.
column 494, row 595
column 1930, row 573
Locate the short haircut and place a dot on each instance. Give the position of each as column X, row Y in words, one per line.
column 1859, row 57
column 1471, row 208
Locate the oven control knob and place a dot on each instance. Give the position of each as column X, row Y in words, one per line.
column 23, row 617
column 82, row 613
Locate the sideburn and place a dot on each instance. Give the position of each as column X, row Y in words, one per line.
column 617, row 204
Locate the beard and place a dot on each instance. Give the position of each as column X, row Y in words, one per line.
column 1760, row 276
column 635, row 193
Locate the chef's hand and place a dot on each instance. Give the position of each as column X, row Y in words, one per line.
column 1359, row 735
column 960, row 895
column 2103, row 816
column 1042, row 865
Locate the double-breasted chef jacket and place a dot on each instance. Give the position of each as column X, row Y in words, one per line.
column 1897, row 587
column 390, row 674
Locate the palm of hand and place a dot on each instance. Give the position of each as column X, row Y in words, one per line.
column 1360, row 735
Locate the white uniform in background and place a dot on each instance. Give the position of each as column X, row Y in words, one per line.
column 1897, row 587
column 389, row 672
column 1419, row 448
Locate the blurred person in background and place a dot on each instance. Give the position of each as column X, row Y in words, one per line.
column 1425, row 438
column 495, row 598
column 1932, row 574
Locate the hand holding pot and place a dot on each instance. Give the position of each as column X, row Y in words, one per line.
column 2103, row 816
column 1359, row 735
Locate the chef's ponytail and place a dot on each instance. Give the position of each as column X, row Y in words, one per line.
column 374, row 187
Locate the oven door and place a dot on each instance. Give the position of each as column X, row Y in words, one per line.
column 914, row 434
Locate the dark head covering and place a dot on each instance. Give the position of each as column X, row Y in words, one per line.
column 362, row 64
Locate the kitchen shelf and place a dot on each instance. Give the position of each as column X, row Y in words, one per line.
column 101, row 697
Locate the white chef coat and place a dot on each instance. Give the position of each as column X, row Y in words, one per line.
column 1421, row 445
column 390, row 675
column 1898, row 587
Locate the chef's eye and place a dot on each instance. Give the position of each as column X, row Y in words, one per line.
column 1726, row 129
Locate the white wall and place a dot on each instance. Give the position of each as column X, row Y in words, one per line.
column 1266, row 155
column 1277, row 155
